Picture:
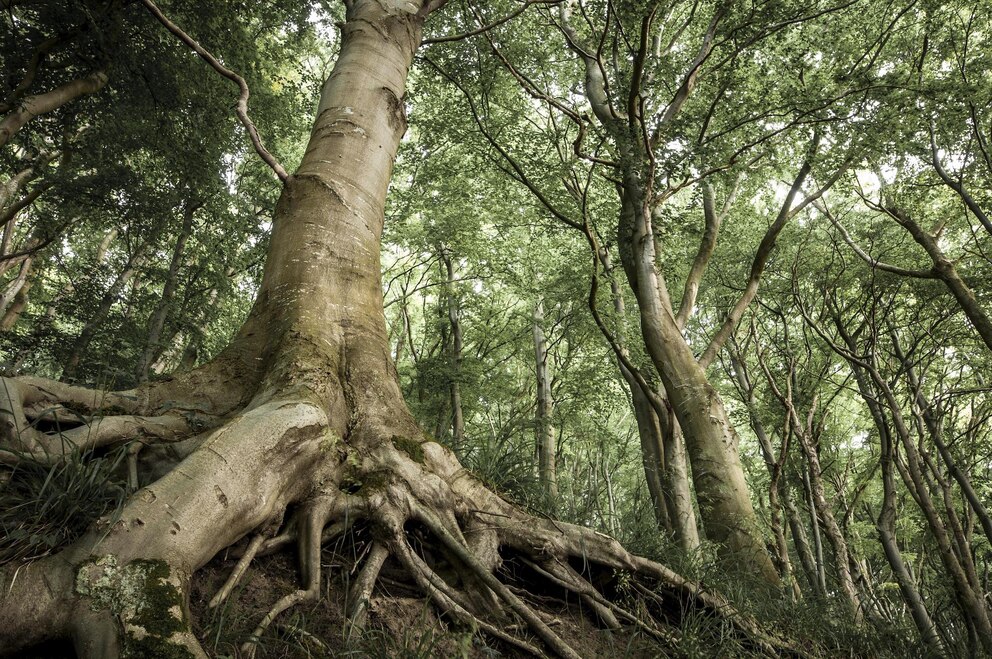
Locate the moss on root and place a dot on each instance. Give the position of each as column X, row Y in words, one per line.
column 411, row 447
column 355, row 481
column 141, row 595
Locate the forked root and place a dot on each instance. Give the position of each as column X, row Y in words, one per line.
column 310, row 543
column 441, row 595
column 518, row 606
column 238, row 571
column 468, row 532
column 361, row 589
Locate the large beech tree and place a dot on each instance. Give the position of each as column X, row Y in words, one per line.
column 298, row 428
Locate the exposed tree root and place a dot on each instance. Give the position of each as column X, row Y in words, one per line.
column 238, row 571
column 424, row 511
column 361, row 589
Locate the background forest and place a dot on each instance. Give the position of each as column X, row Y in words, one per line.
column 816, row 180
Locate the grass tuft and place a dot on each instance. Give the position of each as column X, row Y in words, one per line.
column 45, row 507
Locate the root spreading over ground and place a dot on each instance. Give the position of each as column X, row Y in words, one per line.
column 281, row 472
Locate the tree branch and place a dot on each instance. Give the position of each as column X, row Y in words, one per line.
column 242, row 107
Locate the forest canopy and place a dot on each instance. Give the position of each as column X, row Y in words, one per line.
column 511, row 328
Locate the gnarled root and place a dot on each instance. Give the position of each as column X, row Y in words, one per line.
column 46, row 421
column 446, row 531
column 442, row 526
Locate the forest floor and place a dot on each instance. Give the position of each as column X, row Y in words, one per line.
column 402, row 623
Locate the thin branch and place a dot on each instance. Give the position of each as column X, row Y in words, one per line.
column 867, row 258
column 489, row 26
column 242, row 107
column 956, row 185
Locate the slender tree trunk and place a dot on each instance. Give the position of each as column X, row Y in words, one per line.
column 711, row 440
column 886, row 526
column 547, row 448
column 156, row 323
column 945, row 270
column 801, row 541
column 455, row 323
column 92, row 326
column 648, row 424
column 821, row 567
column 825, row 513
column 876, row 391
column 678, row 494
column 652, row 449
column 775, row 465
column 13, row 289
column 933, row 427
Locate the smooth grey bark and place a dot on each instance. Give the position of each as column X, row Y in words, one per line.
column 13, row 289
column 711, row 441
column 801, row 540
column 814, row 521
column 677, row 489
column 546, row 446
column 33, row 106
column 455, row 325
column 662, row 446
column 302, row 416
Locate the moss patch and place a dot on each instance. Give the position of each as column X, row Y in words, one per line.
column 355, row 482
column 411, row 447
column 142, row 597
column 329, row 442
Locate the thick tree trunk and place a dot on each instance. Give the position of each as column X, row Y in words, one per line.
column 302, row 416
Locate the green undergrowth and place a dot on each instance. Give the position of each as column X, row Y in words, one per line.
column 45, row 507
column 820, row 626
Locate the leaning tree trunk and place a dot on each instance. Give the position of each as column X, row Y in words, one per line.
column 711, row 440
column 662, row 445
column 302, row 431
column 156, row 323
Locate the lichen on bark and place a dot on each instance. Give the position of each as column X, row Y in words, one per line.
column 144, row 597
